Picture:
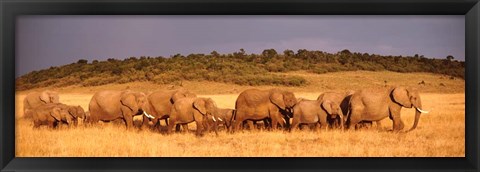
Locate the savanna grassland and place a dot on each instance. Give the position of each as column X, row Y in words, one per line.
column 441, row 133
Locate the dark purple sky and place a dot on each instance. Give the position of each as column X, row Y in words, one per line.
column 44, row 41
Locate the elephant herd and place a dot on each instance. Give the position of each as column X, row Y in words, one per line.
column 45, row 109
column 273, row 107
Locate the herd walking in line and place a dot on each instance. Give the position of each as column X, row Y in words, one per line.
column 274, row 108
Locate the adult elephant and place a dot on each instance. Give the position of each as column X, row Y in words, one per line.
column 35, row 99
column 343, row 99
column 160, row 103
column 198, row 110
column 340, row 98
column 111, row 105
column 377, row 104
column 255, row 104
column 51, row 115
column 316, row 112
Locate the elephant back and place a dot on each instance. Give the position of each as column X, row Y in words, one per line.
column 252, row 98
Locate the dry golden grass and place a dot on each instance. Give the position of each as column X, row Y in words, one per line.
column 441, row 133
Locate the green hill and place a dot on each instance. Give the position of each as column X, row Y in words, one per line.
column 236, row 68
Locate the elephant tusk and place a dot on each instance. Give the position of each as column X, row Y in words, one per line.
column 284, row 121
column 214, row 119
column 219, row 119
column 148, row 116
column 422, row 111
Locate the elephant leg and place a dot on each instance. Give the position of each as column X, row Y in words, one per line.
column 145, row 121
column 353, row 119
column 379, row 125
column 51, row 124
column 310, row 126
column 331, row 122
column 172, row 123
column 363, row 124
column 207, row 126
column 397, row 124
column 177, row 128
column 156, row 125
column 89, row 120
column 278, row 117
column 397, row 121
column 200, row 128
column 323, row 123
column 315, row 126
column 236, row 125
column 26, row 114
column 36, row 124
column 251, row 125
column 274, row 124
column 301, row 126
column 370, row 125
column 75, row 122
column 185, row 128
column 338, row 122
column 294, row 125
column 238, row 121
column 180, row 128
column 267, row 123
column 128, row 121
column 275, row 121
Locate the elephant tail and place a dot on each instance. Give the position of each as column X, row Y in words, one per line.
column 234, row 114
column 348, row 113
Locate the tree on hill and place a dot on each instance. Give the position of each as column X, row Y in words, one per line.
column 450, row 58
column 82, row 61
column 270, row 53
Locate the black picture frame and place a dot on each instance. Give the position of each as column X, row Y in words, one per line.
column 10, row 9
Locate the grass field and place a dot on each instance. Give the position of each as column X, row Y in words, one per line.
column 441, row 133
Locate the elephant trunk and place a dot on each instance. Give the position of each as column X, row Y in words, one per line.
column 215, row 127
column 417, row 116
column 289, row 112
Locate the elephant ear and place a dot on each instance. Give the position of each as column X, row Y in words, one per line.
column 80, row 112
column 53, row 96
column 320, row 97
column 277, row 99
column 44, row 97
column 199, row 104
column 400, row 95
column 129, row 100
column 212, row 103
column 56, row 113
column 327, row 105
column 211, row 106
column 72, row 110
column 177, row 96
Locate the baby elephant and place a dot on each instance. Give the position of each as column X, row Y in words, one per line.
column 56, row 113
column 224, row 117
column 315, row 112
